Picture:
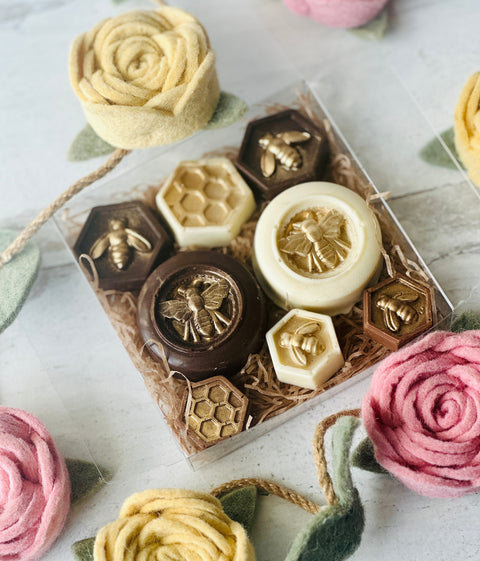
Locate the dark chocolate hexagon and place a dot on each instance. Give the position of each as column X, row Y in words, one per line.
column 124, row 242
column 397, row 310
column 272, row 158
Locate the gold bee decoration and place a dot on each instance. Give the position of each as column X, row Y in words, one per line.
column 315, row 240
column 397, row 309
column 302, row 342
column 195, row 312
column 121, row 242
column 278, row 148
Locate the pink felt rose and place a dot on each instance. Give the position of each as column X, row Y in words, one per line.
column 338, row 13
column 422, row 413
column 34, row 487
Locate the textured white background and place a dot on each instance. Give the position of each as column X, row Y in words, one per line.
column 62, row 361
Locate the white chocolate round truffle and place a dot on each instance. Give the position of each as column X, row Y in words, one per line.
column 317, row 247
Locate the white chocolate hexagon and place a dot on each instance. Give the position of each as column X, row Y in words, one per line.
column 304, row 349
column 205, row 202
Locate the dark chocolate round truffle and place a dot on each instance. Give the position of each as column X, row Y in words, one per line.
column 203, row 312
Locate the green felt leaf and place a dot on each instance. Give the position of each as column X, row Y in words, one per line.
column 363, row 457
column 374, row 29
column 467, row 321
column 16, row 278
column 83, row 549
column 86, row 478
column 434, row 152
column 335, row 532
column 240, row 505
column 230, row 109
column 87, row 144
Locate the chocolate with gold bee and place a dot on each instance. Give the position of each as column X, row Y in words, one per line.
column 397, row 310
column 282, row 150
column 123, row 242
column 317, row 247
column 203, row 312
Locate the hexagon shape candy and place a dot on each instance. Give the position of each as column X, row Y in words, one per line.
column 205, row 202
column 216, row 410
column 397, row 310
column 123, row 242
column 282, row 150
column 304, row 349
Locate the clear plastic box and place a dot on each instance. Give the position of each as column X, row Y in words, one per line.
column 369, row 165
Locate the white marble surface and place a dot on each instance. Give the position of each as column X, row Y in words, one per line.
column 62, row 360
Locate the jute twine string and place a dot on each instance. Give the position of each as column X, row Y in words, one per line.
column 19, row 243
column 283, row 492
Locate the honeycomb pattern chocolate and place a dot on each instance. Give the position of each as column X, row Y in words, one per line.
column 205, row 202
column 217, row 410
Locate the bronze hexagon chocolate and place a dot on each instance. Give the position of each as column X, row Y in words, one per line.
column 397, row 310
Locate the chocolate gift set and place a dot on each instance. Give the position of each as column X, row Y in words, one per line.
column 250, row 270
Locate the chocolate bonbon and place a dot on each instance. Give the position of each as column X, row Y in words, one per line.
column 214, row 410
column 203, row 312
column 317, row 247
column 282, row 150
column 205, row 202
column 123, row 243
column 304, row 349
column 397, row 310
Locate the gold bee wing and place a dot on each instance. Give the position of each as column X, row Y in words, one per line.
column 294, row 137
column 295, row 243
column 331, row 225
column 100, row 246
column 307, row 328
column 267, row 163
column 299, row 356
column 214, row 294
column 176, row 309
column 391, row 320
column 406, row 297
column 137, row 241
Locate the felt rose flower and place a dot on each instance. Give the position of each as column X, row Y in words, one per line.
column 422, row 413
column 34, row 487
column 338, row 13
column 167, row 524
column 146, row 77
column 467, row 127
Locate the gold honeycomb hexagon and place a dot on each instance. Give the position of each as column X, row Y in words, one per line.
column 205, row 202
column 216, row 410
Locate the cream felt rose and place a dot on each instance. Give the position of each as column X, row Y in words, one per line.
column 467, row 127
column 34, row 487
column 422, row 414
column 173, row 524
column 146, row 77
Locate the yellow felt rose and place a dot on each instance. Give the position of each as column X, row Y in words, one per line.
column 173, row 524
column 467, row 127
column 146, row 77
